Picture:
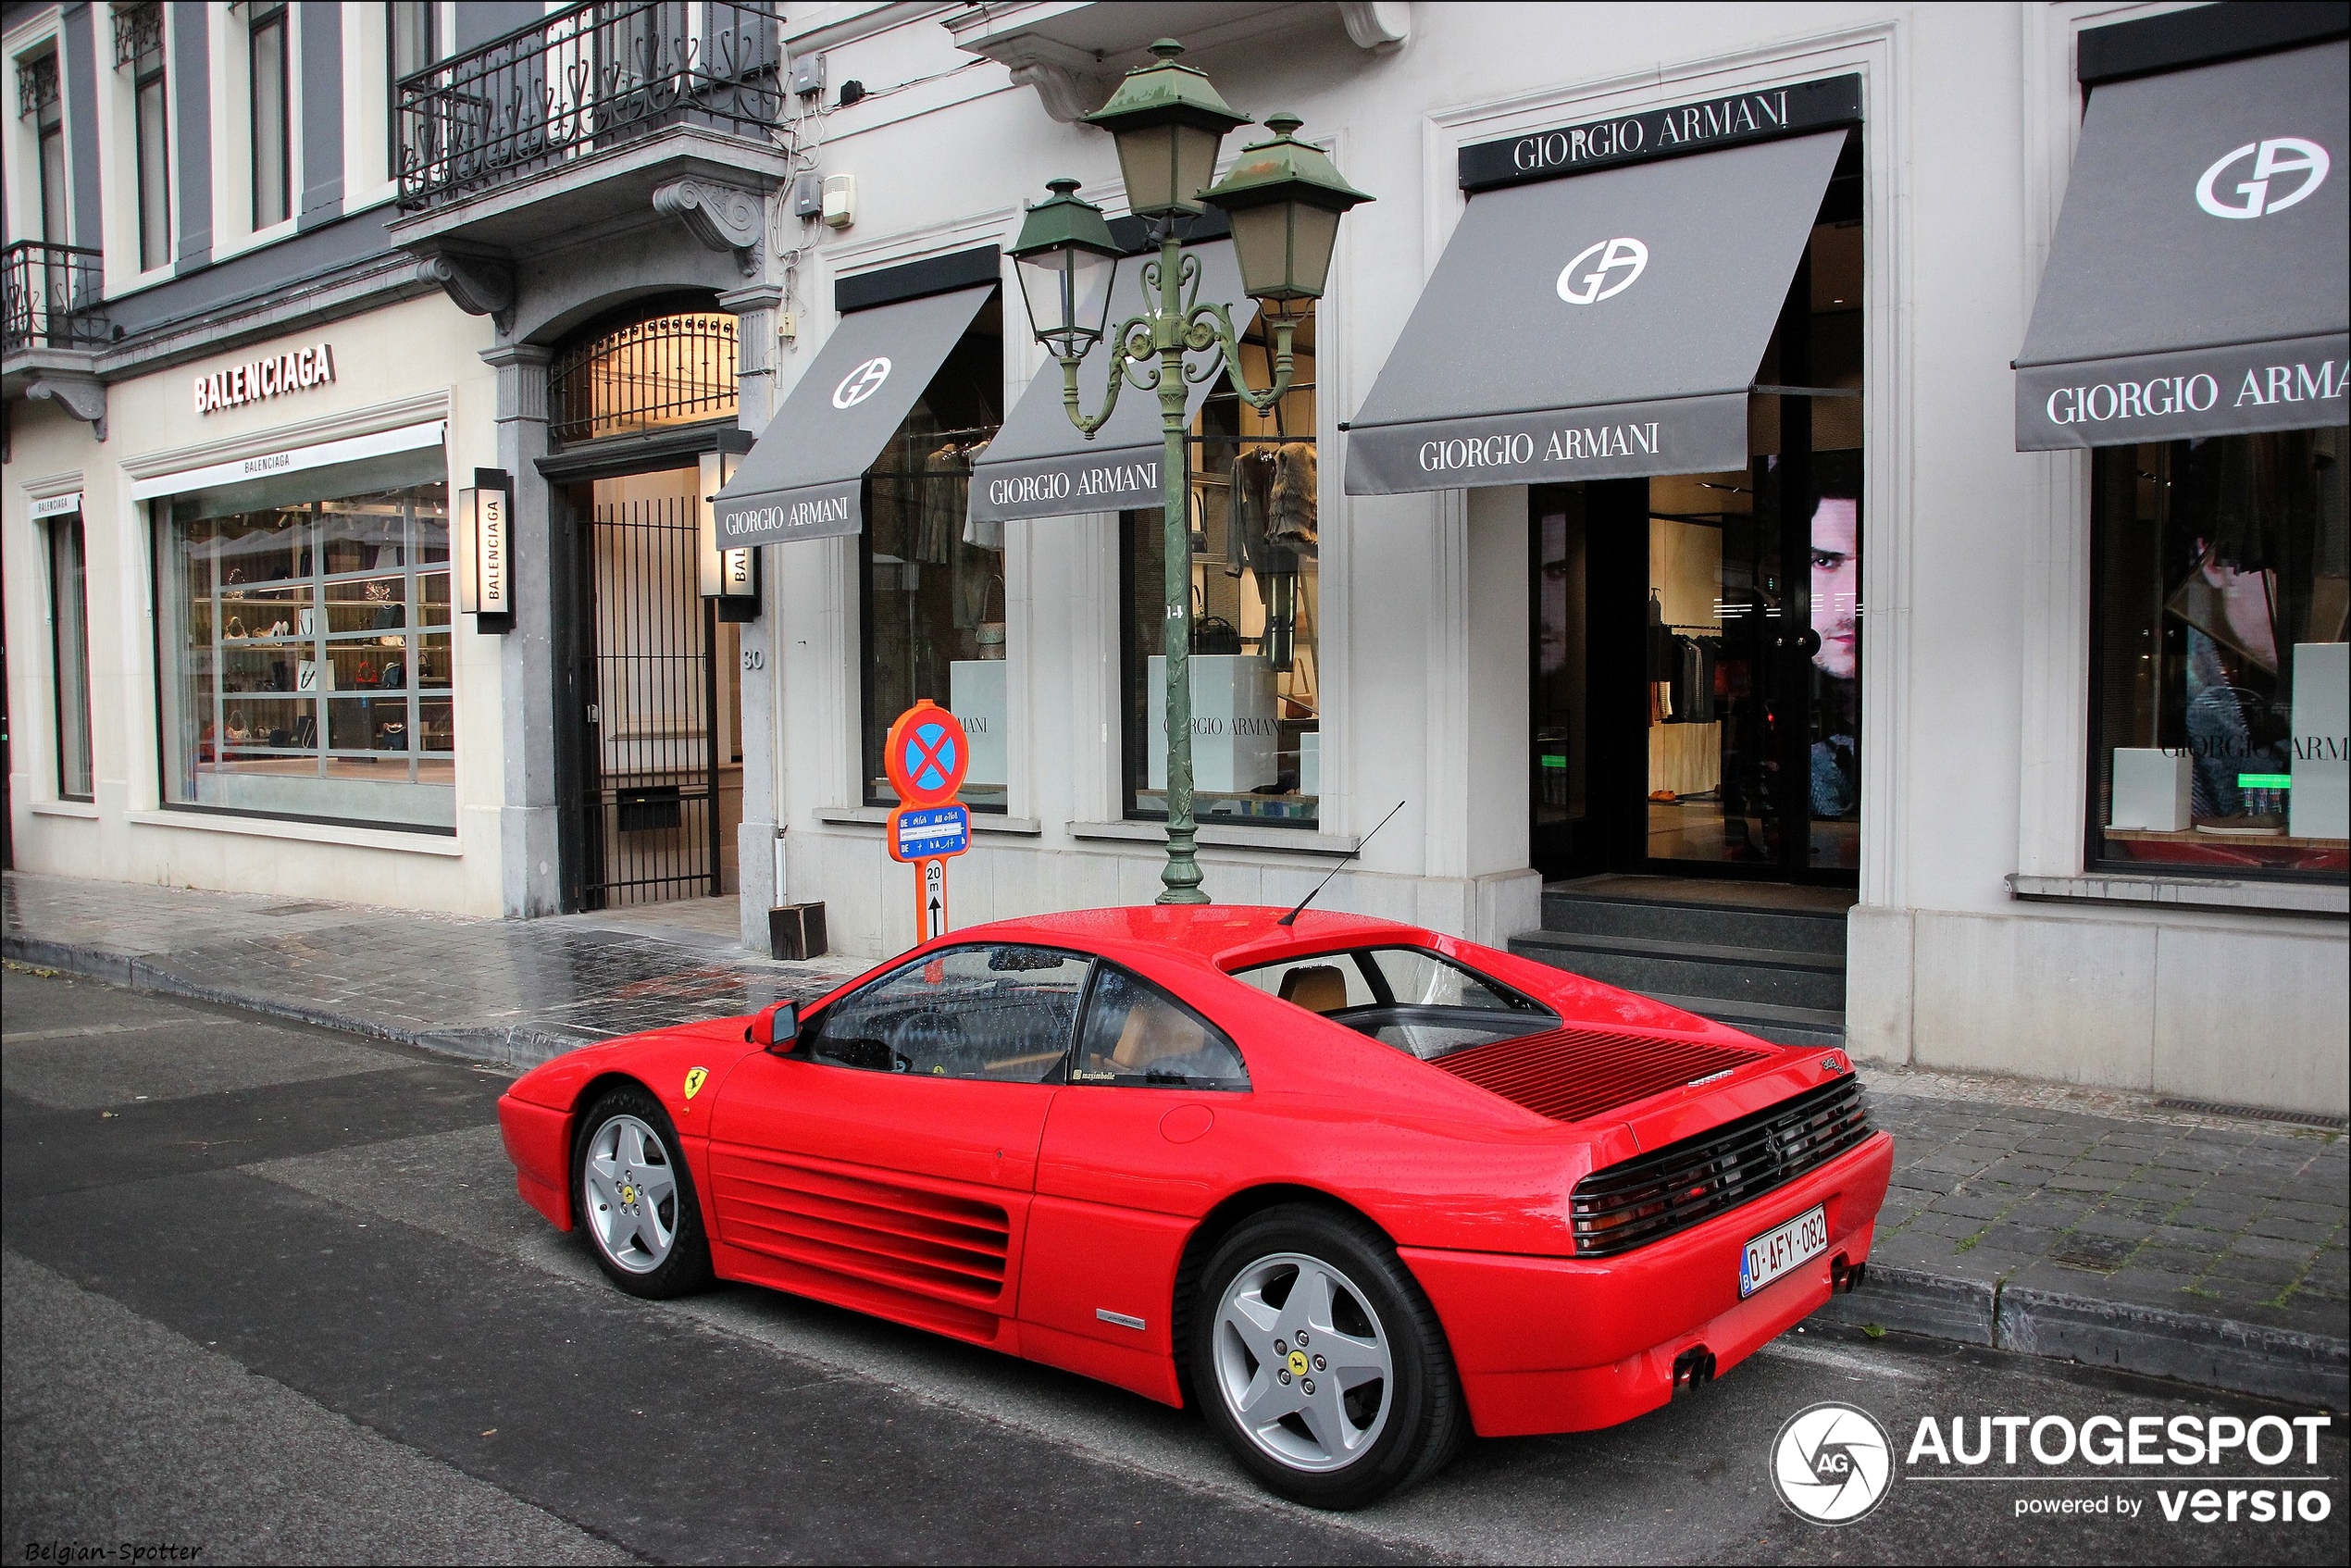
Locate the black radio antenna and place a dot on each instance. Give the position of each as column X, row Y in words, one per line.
column 1291, row 918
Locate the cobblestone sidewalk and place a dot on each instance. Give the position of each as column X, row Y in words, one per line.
column 2043, row 1218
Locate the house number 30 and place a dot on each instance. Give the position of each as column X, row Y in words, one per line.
column 754, row 659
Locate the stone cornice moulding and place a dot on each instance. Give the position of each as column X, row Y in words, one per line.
column 723, row 217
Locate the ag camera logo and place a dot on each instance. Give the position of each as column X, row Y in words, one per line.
column 1831, row 1463
column 2281, row 154
column 862, row 383
column 1623, row 254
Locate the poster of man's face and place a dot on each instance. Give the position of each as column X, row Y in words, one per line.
column 1836, row 584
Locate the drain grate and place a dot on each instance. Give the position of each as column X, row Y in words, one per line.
column 2252, row 1113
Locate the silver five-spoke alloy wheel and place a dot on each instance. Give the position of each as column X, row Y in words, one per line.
column 1303, row 1362
column 632, row 1194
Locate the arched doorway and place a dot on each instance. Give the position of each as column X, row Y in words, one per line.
column 641, row 416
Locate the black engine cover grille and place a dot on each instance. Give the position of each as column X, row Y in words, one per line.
column 1622, row 1206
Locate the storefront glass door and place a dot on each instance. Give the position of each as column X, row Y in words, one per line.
column 1696, row 644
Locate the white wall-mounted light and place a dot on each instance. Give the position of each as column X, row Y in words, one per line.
column 488, row 589
column 729, row 577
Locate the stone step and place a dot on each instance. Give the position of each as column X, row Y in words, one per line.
column 1768, row 976
column 1673, row 920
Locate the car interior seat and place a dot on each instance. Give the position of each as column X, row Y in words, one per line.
column 1319, row 988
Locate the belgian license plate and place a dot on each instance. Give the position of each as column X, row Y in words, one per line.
column 1777, row 1250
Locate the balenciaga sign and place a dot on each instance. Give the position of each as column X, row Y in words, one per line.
column 1663, row 133
column 271, row 376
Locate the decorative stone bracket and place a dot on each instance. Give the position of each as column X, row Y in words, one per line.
column 1381, row 26
column 481, row 283
column 1067, row 94
column 725, row 217
column 80, row 394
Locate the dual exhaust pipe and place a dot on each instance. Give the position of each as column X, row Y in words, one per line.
column 1694, row 1368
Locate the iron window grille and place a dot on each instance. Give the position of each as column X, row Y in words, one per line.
column 137, row 35
column 672, row 369
column 36, row 85
column 581, row 81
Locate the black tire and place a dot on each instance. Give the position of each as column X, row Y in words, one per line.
column 686, row 1267
column 1426, row 1420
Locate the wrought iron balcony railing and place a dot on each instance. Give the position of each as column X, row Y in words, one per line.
column 583, row 80
column 53, row 296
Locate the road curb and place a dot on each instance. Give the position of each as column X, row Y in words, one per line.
column 2214, row 1353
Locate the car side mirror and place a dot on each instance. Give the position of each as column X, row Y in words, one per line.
column 776, row 1027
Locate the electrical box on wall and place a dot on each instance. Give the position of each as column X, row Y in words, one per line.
column 808, row 196
column 808, row 75
column 840, row 200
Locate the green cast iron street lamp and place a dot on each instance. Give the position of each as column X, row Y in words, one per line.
column 1284, row 199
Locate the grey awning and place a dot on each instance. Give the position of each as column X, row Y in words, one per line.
column 1601, row 327
column 801, row 477
column 1040, row 466
column 2187, row 295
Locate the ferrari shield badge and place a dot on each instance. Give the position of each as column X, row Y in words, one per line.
column 694, row 1076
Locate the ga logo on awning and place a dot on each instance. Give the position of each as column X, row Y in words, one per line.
column 1627, row 255
column 2281, row 154
column 862, row 383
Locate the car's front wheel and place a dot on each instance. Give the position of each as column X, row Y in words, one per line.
column 635, row 1198
column 1318, row 1360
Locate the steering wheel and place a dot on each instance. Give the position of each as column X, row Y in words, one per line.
column 931, row 1038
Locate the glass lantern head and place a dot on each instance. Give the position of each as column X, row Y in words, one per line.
column 1284, row 198
column 1167, row 120
column 1067, row 262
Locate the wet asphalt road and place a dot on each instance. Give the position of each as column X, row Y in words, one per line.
column 269, row 1294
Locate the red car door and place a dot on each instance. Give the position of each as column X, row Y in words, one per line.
column 888, row 1163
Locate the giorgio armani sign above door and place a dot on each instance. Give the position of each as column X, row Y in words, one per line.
column 1663, row 133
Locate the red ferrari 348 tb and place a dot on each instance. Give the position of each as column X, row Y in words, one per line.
column 1355, row 1188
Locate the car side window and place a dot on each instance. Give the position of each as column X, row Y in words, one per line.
column 1326, row 983
column 1002, row 1013
column 1136, row 1035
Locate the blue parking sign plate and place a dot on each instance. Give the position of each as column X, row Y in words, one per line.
column 923, row 832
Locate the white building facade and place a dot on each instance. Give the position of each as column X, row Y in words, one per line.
column 1574, row 674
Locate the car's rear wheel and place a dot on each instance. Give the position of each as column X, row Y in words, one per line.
column 1320, row 1363
column 635, row 1198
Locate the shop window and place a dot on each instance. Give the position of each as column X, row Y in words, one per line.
column 676, row 368
column 2218, row 711
column 138, row 36
column 69, row 655
column 272, row 111
column 305, row 639
column 1256, row 610
column 933, row 579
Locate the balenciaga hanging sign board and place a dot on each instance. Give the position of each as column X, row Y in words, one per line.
column 2200, row 281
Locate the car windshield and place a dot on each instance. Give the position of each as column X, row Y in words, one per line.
column 1418, row 1001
